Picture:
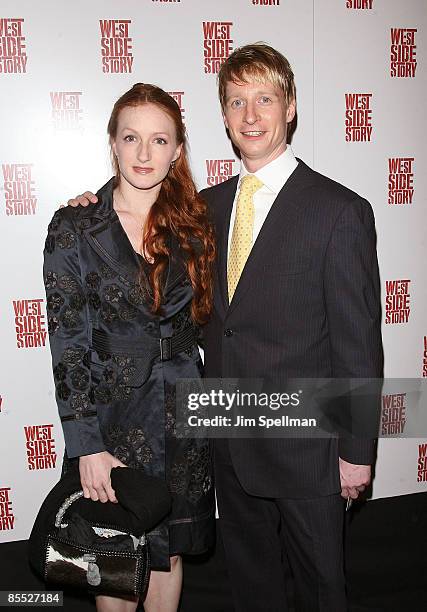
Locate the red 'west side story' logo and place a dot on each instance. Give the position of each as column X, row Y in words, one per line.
column 178, row 96
column 425, row 358
column 19, row 190
column 358, row 117
column 397, row 301
column 66, row 110
column 116, row 46
column 40, row 444
column 393, row 414
column 29, row 323
column 422, row 463
column 218, row 171
column 359, row 4
column 400, row 180
column 7, row 518
column 217, row 44
column 403, row 52
column 13, row 56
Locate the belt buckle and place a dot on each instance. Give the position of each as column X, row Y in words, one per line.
column 165, row 349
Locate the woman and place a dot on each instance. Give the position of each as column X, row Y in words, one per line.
column 127, row 283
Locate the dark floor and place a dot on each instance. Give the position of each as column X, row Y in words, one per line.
column 386, row 564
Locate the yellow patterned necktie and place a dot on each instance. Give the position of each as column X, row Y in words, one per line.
column 242, row 237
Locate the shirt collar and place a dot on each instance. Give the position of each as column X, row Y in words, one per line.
column 274, row 174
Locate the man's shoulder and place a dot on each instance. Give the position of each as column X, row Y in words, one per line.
column 330, row 196
column 326, row 187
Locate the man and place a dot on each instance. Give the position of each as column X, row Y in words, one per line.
column 297, row 295
column 306, row 304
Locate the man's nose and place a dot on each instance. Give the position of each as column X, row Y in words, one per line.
column 251, row 113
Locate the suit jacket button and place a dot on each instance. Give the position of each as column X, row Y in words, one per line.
column 228, row 333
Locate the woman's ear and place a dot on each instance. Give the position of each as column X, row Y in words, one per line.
column 177, row 152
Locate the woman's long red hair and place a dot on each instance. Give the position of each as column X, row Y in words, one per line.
column 178, row 210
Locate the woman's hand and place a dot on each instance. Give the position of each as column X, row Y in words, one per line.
column 95, row 476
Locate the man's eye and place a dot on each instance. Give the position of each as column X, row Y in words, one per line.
column 265, row 99
column 160, row 141
column 236, row 103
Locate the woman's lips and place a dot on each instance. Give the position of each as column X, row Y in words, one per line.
column 140, row 170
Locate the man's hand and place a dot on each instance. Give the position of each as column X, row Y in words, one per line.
column 95, row 476
column 354, row 478
column 83, row 200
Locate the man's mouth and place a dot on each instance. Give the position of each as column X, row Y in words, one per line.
column 253, row 133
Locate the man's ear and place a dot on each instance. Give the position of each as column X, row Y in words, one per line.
column 290, row 111
column 224, row 118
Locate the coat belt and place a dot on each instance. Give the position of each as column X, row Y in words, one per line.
column 144, row 346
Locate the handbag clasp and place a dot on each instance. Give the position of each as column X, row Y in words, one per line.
column 93, row 575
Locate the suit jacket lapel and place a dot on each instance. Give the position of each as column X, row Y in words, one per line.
column 223, row 210
column 288, row 203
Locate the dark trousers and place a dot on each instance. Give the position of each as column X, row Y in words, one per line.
column 261, row 535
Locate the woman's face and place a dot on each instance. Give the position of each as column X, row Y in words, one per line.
column 145, row 145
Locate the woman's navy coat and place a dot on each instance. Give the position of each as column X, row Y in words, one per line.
column 119, row 399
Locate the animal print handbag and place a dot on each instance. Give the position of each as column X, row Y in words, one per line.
column 98, row 558
column 78, row 543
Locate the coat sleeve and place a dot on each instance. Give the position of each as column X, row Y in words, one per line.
column 68, row 327
column 353, row 306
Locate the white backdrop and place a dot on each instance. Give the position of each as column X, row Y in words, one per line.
column 59, row 80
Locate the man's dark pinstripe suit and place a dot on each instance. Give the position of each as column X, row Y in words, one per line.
column 307, row 305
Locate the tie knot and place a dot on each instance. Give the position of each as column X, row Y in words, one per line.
column 250, row 184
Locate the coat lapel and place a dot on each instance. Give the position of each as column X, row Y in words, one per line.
column 111, row 243
column 106, row 236
column 288, row 203
column 108, row 239
column 176, row 266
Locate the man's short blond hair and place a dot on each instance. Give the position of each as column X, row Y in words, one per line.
column 258, row 62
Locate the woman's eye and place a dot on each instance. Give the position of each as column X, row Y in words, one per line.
column 160, row 141
column 129, row 138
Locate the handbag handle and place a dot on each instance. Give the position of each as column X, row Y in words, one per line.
column 67, row 503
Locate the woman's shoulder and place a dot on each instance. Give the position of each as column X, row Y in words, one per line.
column 63, row 218
column 78, row 217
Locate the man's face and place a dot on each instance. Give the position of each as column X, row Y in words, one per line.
column 257, row 116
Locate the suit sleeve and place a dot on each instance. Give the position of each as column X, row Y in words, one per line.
column 68, row 328
column 353, row 306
